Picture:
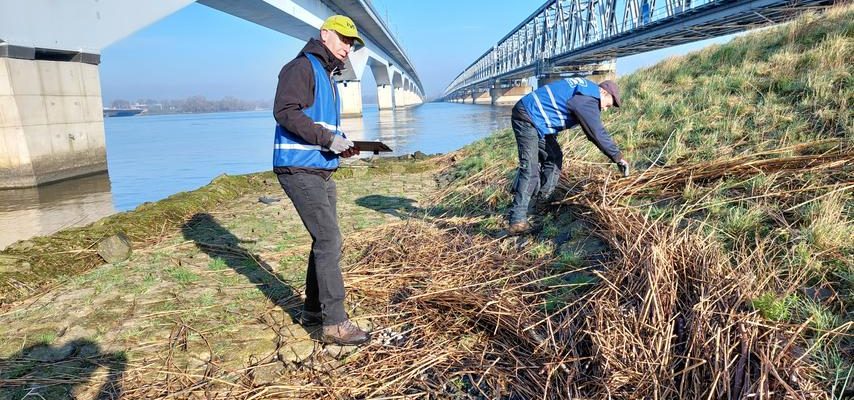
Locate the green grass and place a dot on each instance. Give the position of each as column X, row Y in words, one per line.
column 566, row 288
column 739, row 222
column 822, row 319
column 206, row 299
column 47, row 337
column 540, row 250
column 775, row 308
column 550, row 227
column 826, row 226
column 108, row 277
column 182, row 275
column 567, row 260
column 147, row 283
column 217, row 264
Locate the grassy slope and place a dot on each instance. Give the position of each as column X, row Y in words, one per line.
column 762, row 93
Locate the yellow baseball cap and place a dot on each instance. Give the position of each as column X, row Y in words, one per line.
column 344, row 26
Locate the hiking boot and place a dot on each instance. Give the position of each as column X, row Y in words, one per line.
column 344, row 334
column 310, row 318
column 519, row 228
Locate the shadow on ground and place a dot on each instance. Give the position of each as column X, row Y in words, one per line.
column 400, row 207
column 42, row 371
column 217, row 241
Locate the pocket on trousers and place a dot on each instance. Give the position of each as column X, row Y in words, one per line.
column 514, row 186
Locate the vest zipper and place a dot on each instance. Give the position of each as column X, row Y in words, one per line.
column 335, row 100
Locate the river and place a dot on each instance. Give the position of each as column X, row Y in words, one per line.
column 151, row 157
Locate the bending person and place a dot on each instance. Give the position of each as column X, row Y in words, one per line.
column 537, row 118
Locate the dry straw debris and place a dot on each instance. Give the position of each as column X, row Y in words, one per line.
column 459, row 314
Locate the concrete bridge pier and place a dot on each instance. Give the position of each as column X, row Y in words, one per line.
column 549, row 78
column 413, row 98
column 509, row 95
column 399, row 97
column 595, row 72
column 482, row 97
column 351, row 98
column 51, row 118
column 51, row 112
column 385, row 97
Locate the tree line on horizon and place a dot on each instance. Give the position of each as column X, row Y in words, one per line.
column 193, row 104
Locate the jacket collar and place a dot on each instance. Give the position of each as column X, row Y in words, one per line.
column 318, row 49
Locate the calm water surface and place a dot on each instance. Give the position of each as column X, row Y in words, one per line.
column 153, row 157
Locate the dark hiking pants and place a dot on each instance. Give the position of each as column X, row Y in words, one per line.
column 540, row 162
column 315, row 201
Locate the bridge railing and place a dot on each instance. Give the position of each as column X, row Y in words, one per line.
column 562, row 26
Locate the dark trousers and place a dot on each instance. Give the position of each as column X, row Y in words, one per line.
column 540, row 162
column 315, row 200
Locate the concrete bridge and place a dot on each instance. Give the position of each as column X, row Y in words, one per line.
column 565, row 38
column 51, row 110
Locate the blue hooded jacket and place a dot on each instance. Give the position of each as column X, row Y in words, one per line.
column 565, row 103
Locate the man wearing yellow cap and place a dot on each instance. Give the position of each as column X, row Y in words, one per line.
column 308, row 144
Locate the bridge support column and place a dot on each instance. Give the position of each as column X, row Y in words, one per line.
column 595, row 72
column 351, row 98
column 51, row 121
column 482, row 98
column 399, row 97
column 545, row 80
column 604, row 71
column 413, row 98
column 508, row 96
column 385, row 97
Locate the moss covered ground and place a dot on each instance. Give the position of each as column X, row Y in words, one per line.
column 215, row 262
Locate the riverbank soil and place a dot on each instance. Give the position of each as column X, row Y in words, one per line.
column 723, row 267
column 230, row 277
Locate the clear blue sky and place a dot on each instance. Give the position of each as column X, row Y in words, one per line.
column 201, row 51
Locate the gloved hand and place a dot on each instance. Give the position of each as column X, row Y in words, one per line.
column 340, row 144
column 624, row 167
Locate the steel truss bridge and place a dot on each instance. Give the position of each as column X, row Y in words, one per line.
column 577, row 36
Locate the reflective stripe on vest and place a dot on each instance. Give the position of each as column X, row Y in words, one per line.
column 289, row 150
column 548, row 105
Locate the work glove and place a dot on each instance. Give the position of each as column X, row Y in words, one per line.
column 624, row 167
column 340, row 144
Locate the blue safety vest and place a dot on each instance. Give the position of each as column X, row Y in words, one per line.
column 547, row 106
column 289, row 149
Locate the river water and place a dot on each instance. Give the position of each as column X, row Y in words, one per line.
column 152, row 157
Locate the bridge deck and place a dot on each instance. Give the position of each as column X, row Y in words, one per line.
column 708, row 20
